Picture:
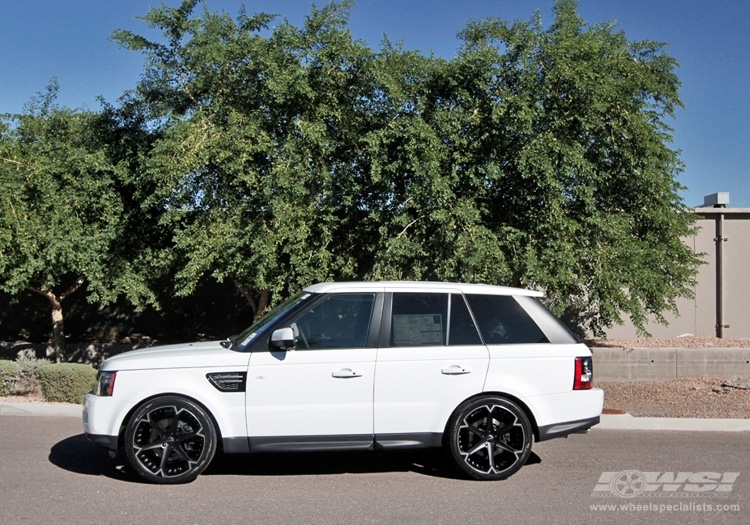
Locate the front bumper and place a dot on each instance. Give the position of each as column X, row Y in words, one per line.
column 100, row 420
column 108, row 442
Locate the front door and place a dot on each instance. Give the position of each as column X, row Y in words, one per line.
column 320, row 393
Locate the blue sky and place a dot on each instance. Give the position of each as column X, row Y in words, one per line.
column 68, row 39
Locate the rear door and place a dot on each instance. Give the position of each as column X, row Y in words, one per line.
column 430, row 359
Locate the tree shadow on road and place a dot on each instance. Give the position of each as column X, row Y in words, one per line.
column 77, row 454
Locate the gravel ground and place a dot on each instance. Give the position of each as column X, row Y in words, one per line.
column 702, row 397
column 695, row 397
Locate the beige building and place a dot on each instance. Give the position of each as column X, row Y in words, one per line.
column 722, row 295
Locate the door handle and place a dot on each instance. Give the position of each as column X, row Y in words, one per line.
column 455, row 370
column 346, row 373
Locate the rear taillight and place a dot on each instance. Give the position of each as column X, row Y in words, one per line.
column 584, row 373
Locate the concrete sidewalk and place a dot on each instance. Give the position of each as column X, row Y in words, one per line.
column 41, row 409
column 608, row 422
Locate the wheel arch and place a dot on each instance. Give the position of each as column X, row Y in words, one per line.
column 136, row 406
column 523, row 406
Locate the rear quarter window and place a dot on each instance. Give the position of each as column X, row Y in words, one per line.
column 503, row 321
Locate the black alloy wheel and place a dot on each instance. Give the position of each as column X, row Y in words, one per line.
column 490, row 438
column 170, row 440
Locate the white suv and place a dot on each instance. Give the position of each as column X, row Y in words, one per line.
column 481, row 370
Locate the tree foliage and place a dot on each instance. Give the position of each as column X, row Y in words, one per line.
column 256, row 147
column 273, row 156
column 536, row 157
column 62, row 220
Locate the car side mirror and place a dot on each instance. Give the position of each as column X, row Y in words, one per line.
column 283, row 338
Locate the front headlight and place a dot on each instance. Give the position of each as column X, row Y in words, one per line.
column 105, row 383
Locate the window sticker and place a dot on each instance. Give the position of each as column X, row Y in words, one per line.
column 248, row 339
column 417, row 329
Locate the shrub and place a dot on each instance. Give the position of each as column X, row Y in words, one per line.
column 66, row 382
column 8, row 376
column 28, row 374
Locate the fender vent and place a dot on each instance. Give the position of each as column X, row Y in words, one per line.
column 228, row 381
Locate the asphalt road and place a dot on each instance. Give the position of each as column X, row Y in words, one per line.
column 49, row 473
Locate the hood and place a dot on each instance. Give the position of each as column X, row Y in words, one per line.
column 188, row 355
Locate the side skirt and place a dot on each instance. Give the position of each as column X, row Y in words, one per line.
column 240, row 445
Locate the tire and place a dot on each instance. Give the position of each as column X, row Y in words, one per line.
column 170, row 440
column 489, row 438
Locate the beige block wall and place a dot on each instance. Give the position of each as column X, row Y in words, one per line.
column 663, row 364
column 698, row 316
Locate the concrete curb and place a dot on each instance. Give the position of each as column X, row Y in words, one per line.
column 608, row 422
column 628, row 422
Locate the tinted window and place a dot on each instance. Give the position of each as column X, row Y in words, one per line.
column 502, row 320
column 337, row 321
column 259, row 327
column 462, row 330
column 556, row 331
column 419, row 319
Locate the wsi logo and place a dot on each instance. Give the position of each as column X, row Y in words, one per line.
column 632, row 483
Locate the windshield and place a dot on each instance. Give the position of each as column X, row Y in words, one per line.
column 257, row 329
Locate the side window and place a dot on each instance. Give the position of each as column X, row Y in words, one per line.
column 502, row 320
column 338, row 321
column 419, row 319
column 462, row 330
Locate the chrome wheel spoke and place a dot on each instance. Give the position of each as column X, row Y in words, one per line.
column 156, row 445
column 491, row 456
column 165, row 457
column 177, row 448
column 506, row 448
column 480, row 446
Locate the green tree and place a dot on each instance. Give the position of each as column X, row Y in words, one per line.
column 61, row 222
column 255, row 165
column 537, row 157
column 569, row 127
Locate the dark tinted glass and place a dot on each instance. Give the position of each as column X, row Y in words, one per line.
column 502, row 320
column 462, row 330
column 338, row 321
column 556, row 331
column 419, row 319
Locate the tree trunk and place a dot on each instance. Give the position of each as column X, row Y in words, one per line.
column 258, row 305
column 58, row 330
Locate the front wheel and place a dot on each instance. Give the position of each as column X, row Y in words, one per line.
column 170, row 439
column 489, row 438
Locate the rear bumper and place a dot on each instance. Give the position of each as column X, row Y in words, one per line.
column 563, row 429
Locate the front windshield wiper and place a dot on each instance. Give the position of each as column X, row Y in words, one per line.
column 228, row 343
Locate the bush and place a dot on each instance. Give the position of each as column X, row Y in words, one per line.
column 66, row 382
column 28, row 374
column 9, row 371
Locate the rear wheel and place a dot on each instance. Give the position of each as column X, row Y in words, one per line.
column 170, row 439
column 489, row 438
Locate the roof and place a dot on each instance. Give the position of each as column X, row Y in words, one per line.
column 417, row 286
